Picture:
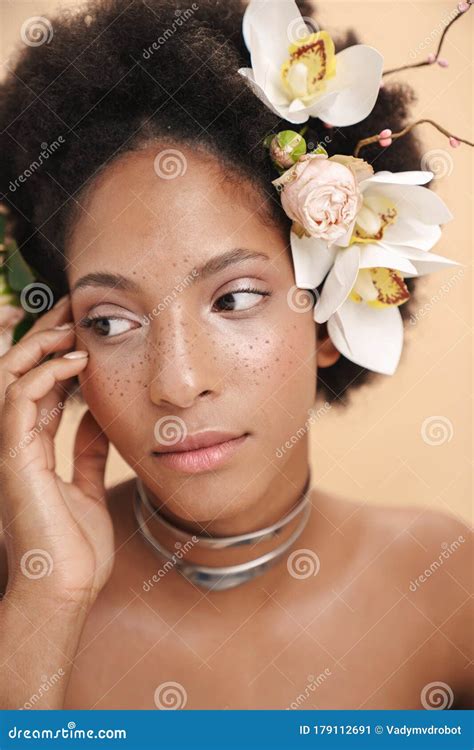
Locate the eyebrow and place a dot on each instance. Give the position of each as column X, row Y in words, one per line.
column 210, row 267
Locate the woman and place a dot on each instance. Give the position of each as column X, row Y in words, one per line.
column 155, row 219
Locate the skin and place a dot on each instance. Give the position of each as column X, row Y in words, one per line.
column 255, row 645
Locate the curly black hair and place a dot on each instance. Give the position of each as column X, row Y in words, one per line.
column 115, row 74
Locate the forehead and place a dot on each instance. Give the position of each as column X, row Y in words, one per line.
column 168, row 203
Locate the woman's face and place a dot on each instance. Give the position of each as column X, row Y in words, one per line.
column 175, row 350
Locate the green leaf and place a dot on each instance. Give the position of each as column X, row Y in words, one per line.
column 19, row 274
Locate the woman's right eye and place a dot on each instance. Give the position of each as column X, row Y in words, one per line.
column 106, row 326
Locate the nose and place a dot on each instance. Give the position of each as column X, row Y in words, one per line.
column 183, row 370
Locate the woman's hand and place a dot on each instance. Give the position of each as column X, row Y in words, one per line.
column 58, row 535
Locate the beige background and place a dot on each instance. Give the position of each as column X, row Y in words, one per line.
column 375, row 451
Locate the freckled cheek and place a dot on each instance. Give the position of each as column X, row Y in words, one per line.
column 112, row 380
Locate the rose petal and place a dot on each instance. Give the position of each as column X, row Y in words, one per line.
column 371, row 337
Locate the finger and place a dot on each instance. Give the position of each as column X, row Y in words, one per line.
column 28, row 353
column 20, row 411
column 60, row 313
column 90, row 457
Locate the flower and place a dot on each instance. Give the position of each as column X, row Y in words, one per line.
column 297, row 73
column 321, row 196
column 396, row 226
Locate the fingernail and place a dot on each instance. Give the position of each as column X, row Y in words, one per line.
column 63, row 327
column 76, row 355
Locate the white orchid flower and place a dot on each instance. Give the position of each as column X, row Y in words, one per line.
column 297, row 73
column 395, row 229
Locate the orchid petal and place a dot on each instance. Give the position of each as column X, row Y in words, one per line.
column 338, row 284
column 370, row 337
column 312, row 259
column 373, row 256
column 357, row 82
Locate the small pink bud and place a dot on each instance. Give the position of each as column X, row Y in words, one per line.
column 382, row 84
column 453, row 142
column 386, row 133
column 384, row 142
column 442, row 62
column 462, row 7
column 327, row 125
column 431, row 58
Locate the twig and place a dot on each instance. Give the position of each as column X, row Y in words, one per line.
column 376, row 138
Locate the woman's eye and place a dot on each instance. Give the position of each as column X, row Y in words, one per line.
column 106, row 326
column 241, row 299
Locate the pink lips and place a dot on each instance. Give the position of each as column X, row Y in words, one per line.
column 197, row 453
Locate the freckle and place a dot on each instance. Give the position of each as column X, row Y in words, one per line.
column 121, row 394
column 267, row 341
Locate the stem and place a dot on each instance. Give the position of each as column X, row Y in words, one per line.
column 401, row 133
column 438, row 51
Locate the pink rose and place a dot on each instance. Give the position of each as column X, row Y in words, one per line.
column 321, row 196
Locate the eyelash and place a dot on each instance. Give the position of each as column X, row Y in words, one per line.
column 89, row 320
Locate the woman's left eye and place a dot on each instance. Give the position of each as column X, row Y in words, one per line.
column 106, row 325
column 241, row 299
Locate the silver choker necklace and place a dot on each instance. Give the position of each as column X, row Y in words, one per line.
column 223, row 577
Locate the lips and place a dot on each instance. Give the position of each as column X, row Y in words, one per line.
column 198, row 440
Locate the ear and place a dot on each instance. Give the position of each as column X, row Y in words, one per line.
column 326, row 352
